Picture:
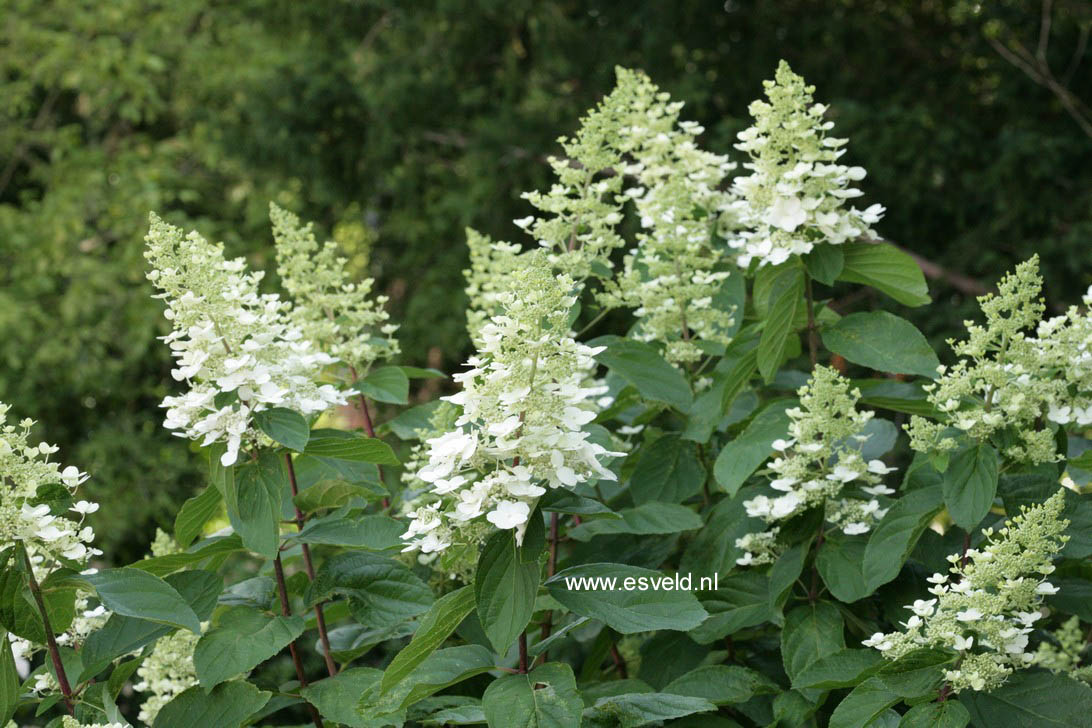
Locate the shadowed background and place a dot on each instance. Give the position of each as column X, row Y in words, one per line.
column 395, row 125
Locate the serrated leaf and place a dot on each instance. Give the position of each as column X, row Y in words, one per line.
column 722, row 684
column 253, row 500
column 504, row 589
column 440, row 621
column 842, row 669
column 742, row 456
column 887, row 269
column 646, row 519
column 667, row 470
column 135, row 593
column 949, row 714
column 382, row 592
column 285, row 426
column 349, row 446
column 387, row 384
column 785, row 292
column 642, row 366
column 882, row 341
column 227, row 706
column 1031, row 700
column 545, row 698
column 374, row 532
column 242, row 638
column 894, row 537
column 970, row 484
column 195, row 513
column 810, row 632
column 633, row 710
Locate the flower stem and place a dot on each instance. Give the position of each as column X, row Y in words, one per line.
column 523, row 653
column 320, row 617
column 619, row 661
column 51, row 641
column 286, row 611
column 813, row 339
column 551, row 569
column 369, row 430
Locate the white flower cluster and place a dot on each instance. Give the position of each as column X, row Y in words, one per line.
column 524, row 408
column 796, row 194
column 1063, row 653
column 35, row 501
column 234, row 346
column 167, row 671
column 69, row 722
column 335, row 313
column 673, row 277
column 491, row 265
column 816, row 464
column 1014, row 372
column 985, row 608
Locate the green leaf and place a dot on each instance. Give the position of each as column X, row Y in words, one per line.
column 825, row 263
column 387, row 384
column 713, row 549
column 722, row 684
column 882, row 341
column 408, row 422
column 894, row 537
column 441, row 669
column 241, row 639
column 194, row 514
column 842, row 669
column 328, row 494
column 646, row 519
column 840, row 563
column 349, row 446
column 135, row 593
column 650, row 601
column 382, row 592
column 740, row 457
column 949, row 714
column 336, row 698
column 1031, row 700
column 227, row 706
column 375, row 532
column 505, row 590
column 440, row 621
column 643, row 367
column 560, row 500
column 811, row 632
column 887, row 269
column 970, row 484
column 420, row 373
column 891, row 394
column 785, row 292
column 633, row 710
column 253, row 500
column 864, row 704
column 123, row 635
column 285, row 426
column 9, row 680
column 667, row 470
column 545, row 698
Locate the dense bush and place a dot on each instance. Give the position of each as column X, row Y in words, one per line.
column 402, row 124
column 675, row 485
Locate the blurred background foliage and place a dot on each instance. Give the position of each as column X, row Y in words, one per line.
column 395, row 125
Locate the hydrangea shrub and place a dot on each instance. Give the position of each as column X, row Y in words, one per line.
column 680, row 482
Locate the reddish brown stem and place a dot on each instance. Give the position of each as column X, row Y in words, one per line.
column 286, row 610
column 523, row 653
column 619, row 662
column 320, row 617
column 51, row 641
column 551, row 569
column 369, row 429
